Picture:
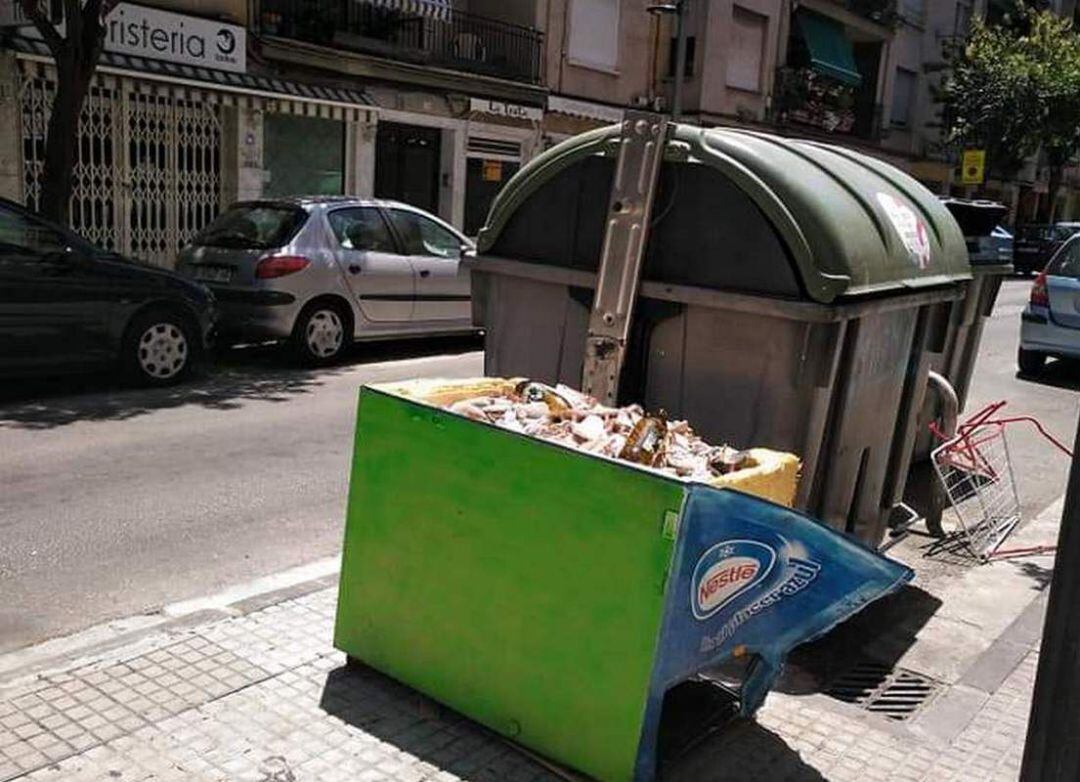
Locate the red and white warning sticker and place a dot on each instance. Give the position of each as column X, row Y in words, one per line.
column 911, row 229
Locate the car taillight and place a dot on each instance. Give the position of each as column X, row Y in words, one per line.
column 279, row 265
column 1039, row 296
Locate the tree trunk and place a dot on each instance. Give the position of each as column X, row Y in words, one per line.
column 62, row 136
column 1053, row 185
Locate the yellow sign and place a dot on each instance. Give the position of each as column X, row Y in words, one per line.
column 973, row 167
column 492, row 171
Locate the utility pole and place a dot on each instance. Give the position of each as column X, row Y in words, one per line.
column 1052, row 750
column 680, row 58
column 678, row 8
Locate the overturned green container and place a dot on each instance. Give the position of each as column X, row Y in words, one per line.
column 556, row 596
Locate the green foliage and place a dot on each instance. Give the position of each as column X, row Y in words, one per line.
column 1015, row 89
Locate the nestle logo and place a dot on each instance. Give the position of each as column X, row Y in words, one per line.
column 725, row 577
column 726, row 571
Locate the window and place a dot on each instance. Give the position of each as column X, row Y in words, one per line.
column 361, row 229
column 1062, row 232
column 673, row 53
column 422, row 236
column 962, row 25
column 746, row 50
column 1067, row 262
column 23, row 236
column 252, row 227
column 594, row 34
column 903, row 97
column 913, row 10
column 303, row 155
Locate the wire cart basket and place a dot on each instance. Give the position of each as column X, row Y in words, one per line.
column 976, row 472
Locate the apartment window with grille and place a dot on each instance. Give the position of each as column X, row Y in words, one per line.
column 673, row 53
column 903, row 97
column 749, row 31
column 594, row 34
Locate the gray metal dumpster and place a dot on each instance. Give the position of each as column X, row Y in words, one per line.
column 954, row 342
column 787, row 295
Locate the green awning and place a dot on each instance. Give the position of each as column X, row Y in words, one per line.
column 830, row 52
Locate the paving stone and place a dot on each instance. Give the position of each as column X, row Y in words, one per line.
column 264, row 697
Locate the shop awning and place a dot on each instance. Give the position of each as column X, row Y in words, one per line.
column 830, row 51
column 433, row 9
column 322, row 99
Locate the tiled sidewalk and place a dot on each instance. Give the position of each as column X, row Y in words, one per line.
column 263, row 697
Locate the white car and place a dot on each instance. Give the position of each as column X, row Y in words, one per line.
column 322, row 271
column 1050, row 324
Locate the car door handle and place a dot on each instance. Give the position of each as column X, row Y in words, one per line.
column 354, row 268
column 425, row 272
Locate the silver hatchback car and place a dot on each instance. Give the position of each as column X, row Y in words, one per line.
column 324, row 270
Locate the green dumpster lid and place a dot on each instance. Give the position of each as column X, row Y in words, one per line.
column 830, row 50
column 852, row 225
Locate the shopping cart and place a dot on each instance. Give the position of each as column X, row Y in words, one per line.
column 977, row 475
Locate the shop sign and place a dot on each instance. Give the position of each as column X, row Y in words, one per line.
column 973, row 167
column 492, row 171
column 163, row 35
column 502, row 109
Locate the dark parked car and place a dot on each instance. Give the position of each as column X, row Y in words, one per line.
column 66, row 305
column 988, row 243
column 1034, row 245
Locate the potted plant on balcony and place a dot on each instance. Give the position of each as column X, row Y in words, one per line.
column 807, row 97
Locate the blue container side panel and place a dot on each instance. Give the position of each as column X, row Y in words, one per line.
column 753, row 578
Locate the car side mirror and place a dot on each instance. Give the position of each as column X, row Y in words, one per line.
column 60, row 262
column 65, row 255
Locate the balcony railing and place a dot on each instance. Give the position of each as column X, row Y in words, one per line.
column 454, row 40
column 805, row 97
column 884, row 12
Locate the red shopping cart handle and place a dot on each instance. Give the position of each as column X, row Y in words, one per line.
column 985, row 417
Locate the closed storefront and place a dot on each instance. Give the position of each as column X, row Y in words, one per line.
column 149, row 161
column 160, row 152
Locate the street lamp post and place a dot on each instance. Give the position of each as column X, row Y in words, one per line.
column 678, row 8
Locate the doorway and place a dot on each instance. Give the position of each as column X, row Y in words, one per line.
column 407, row 164
column 484, row 178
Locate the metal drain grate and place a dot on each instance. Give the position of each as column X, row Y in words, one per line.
column 893, row 692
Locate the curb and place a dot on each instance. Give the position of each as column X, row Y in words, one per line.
column 62, row 653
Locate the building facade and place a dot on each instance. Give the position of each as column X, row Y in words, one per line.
column 199, row 103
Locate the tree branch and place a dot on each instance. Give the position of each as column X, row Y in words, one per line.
column 93, row 28
column 41, row 22
column 73, row 21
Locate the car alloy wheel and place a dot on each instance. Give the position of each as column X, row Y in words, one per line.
column 324, row 334
column 162, row 351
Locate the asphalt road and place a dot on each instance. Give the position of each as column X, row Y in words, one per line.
column 1041, row 470
column 114, row 502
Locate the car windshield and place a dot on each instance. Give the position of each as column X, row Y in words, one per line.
column 1063, row 232
column 253, row 226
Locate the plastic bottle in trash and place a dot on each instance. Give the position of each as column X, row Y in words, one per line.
column 647, row 441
